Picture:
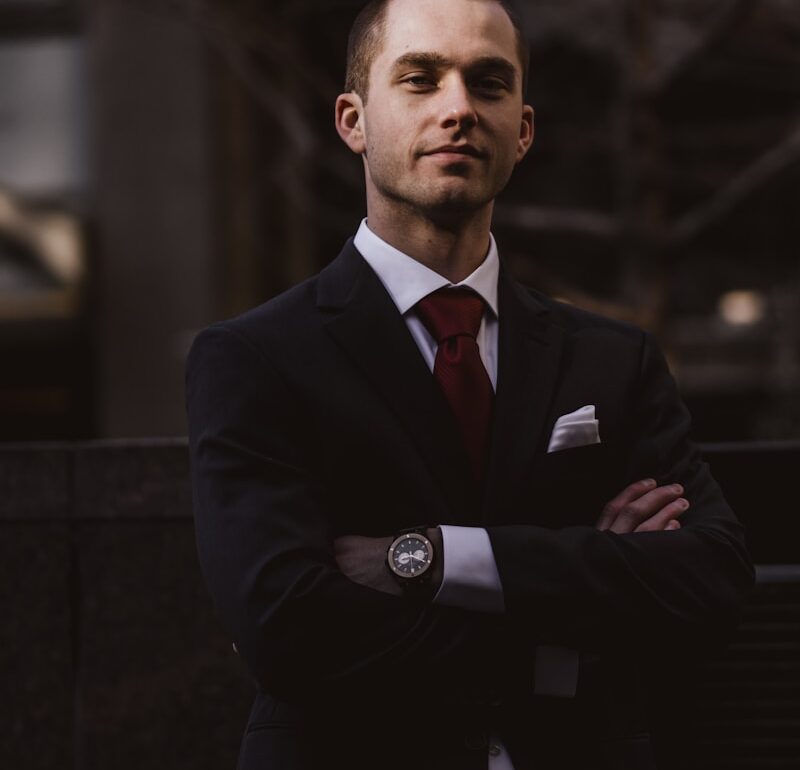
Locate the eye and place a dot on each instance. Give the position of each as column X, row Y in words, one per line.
column 420, row 81
column 490, row 85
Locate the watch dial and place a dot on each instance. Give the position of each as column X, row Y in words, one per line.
column 411, row 556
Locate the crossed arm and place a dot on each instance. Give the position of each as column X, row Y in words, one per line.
column 303, row 610
column 641, row 507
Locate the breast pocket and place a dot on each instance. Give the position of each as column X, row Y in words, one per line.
column 577, row 461
column 572, row 486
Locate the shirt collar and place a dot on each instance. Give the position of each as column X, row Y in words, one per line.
column 408, row 281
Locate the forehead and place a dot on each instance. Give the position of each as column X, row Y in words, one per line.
column 458, row 29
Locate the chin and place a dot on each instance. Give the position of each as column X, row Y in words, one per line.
column 462, row 195
column 444, row 199
column 456, row 202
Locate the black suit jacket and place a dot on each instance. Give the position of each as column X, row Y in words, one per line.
column 314, row 415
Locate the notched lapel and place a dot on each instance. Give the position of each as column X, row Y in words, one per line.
column 366, row 324
column 530, row 349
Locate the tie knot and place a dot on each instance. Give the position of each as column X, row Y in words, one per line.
column 450, row 313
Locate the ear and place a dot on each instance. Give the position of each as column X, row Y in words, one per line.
column 525, row 132
column 350, row 121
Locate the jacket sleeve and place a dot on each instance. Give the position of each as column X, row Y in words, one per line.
column 265, row 544
column 581, row 587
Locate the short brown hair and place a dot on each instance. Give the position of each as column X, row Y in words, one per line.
column 366, row 38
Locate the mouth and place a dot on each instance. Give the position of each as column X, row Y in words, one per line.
column 456, row 152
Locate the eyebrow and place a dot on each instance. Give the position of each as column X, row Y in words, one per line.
column 428, row 60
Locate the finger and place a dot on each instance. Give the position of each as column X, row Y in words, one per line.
column 664, row 517
column 628, row 495
column 673, row 525
column 648, row 505
column 626, row 517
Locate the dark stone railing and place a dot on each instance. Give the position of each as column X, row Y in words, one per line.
column 109, row 651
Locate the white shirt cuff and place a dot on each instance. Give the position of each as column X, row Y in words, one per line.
column 470, row 578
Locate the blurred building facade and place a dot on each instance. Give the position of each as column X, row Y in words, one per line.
column 166, row 163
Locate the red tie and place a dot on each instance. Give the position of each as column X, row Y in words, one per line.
column 453, row 317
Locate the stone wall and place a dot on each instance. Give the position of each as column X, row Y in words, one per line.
column 109, row 648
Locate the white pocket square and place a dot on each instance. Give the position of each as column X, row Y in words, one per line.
column 578, row 428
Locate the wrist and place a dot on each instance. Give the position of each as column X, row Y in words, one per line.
column 434, row 534
column 414, row 559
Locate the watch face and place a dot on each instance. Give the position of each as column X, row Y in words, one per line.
column 410, row 555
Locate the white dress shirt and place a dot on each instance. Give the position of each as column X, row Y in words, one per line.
column 470, row 578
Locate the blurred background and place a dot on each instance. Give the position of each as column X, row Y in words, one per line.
column 166, row 163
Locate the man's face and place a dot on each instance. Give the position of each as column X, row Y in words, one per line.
column 444, row 123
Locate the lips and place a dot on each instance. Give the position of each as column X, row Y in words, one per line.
column 456, row 149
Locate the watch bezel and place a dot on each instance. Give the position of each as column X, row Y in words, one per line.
column 421, row 572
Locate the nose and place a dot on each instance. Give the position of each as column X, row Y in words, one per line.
column 457, row 109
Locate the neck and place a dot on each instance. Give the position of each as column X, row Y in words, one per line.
column 452, row 246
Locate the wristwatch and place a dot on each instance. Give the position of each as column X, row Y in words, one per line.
column 410, row 559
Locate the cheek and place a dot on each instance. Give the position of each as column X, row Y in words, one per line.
column 379, row 134
column 388, row 147
column 510, row 151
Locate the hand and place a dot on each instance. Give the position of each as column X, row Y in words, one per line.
column 363, row 560
column 644, row 507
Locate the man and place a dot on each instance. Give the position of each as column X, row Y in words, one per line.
column 537, row 453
